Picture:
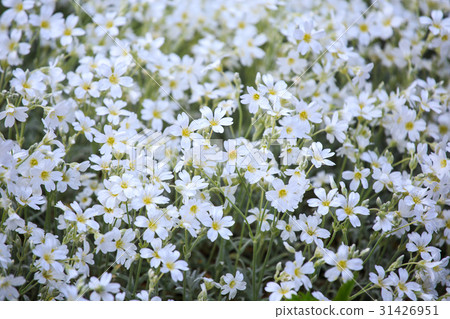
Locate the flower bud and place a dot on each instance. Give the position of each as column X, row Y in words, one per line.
column 209, row 283
column 396, row 263
column 288, row 247
column 413, row 163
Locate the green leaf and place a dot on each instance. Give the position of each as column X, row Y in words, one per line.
column 344, row 291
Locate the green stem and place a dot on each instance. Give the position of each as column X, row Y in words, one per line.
column 138, row 273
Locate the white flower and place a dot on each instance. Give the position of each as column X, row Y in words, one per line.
column 103, row 288
column 402, row 287
column 189, row 187
column 70, row 30
column 419, row 243
column 113, row 109
column 50, row 25
column 335, row 129
column 275, row 91
column 349, row 209
column 319, row 155
column 311, row 230
column 436, row 23
column 50, row 253
column 288, row 229
column 13, row 114
column 81, row 219
column 308, row 37
column 154, row 223
column 114, row 79
column 216, row 121
column 292, row 129
column 261, row 217
column 112, row 140
column 7, row 287
column 255, row 100
column 29, row 84
column 172, row 265
column 382, row 282
column 284, row 197
column 233, row 284
column 124, row 186
column 343, row 266
column 43, row 174
column 149, row 196
column 84, row 125
column 278, row 291
column 410, row 125
column 157, row 112
column 17, row 10
column 12, row 47
column 216, row 223
column 154, row 254
column 357, row 176
column 186, row 131
column 108, row 23
column 298, row 271
column 324, row 201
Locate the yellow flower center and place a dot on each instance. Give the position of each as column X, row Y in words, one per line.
column 348, row 210
column 303, row 115
column 307, row 37
column 170, row 266
column 86, row 86
column 282, row 193
column 364, row 27
column 156, row 114
column 111, row 140
column 152, row 225
column 185, row 132
column 45, row 24
column 48, row 258
column 194, row 209
column 215, row 226
column 113, row 79
column 409, row 126
column 45, row 175
column 341, row 265
column 33, row 162
column 119, row 244
column 81, row 219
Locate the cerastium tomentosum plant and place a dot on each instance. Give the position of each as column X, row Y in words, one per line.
column 215, row 150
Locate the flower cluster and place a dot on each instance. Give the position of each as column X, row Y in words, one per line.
column 213, row 150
